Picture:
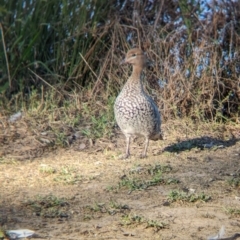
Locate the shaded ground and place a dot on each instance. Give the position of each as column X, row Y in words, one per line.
column 187, row 188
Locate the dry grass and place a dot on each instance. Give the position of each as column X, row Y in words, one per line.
column 195, row 70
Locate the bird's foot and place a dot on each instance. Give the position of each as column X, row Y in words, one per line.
column 123, row 156
column 143, row 155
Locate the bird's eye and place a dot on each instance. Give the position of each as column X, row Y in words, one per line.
column 134, row 55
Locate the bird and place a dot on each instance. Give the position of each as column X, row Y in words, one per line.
column 135, row 111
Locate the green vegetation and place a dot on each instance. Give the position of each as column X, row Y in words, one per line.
column 65, row 174
column 233, row 211
column 47, row 169
column 60, row 61
column 143, row 177
column 180, row 196
column 112, row 207
column 68, row 175
column 234, row 181
column 49, row 36
column 130, row 219
column 48, row 206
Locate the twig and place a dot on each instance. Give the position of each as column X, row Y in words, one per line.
column 139, row 40
column 158, row 15
column 45, row 81
column 5, row 53
column 88, row 65
column 101, row 73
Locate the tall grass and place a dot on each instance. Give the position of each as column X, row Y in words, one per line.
column 48, row 37
column 73, row 48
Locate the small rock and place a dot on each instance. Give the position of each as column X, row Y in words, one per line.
column 15, row 117
column 82, row 146
column 166, row 203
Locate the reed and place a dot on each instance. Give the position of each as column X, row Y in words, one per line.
column 73, row 48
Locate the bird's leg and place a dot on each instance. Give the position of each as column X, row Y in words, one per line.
column 144, row 154
column 127, row 154
column 127, row 146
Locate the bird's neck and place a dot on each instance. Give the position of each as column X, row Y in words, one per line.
column 136, row 74
column 135, row 81
column 136, row 70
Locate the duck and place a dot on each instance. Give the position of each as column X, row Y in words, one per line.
column 135, row 111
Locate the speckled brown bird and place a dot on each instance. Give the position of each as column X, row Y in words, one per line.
column 136, row 113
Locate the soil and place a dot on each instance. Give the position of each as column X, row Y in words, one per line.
column 84, row 192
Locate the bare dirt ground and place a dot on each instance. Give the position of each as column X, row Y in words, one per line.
column 187, row 187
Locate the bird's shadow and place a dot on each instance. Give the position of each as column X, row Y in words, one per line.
column 200, row 143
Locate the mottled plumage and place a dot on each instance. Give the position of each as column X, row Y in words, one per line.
column 135, row 112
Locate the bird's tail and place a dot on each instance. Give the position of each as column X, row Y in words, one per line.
column 156, row 137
